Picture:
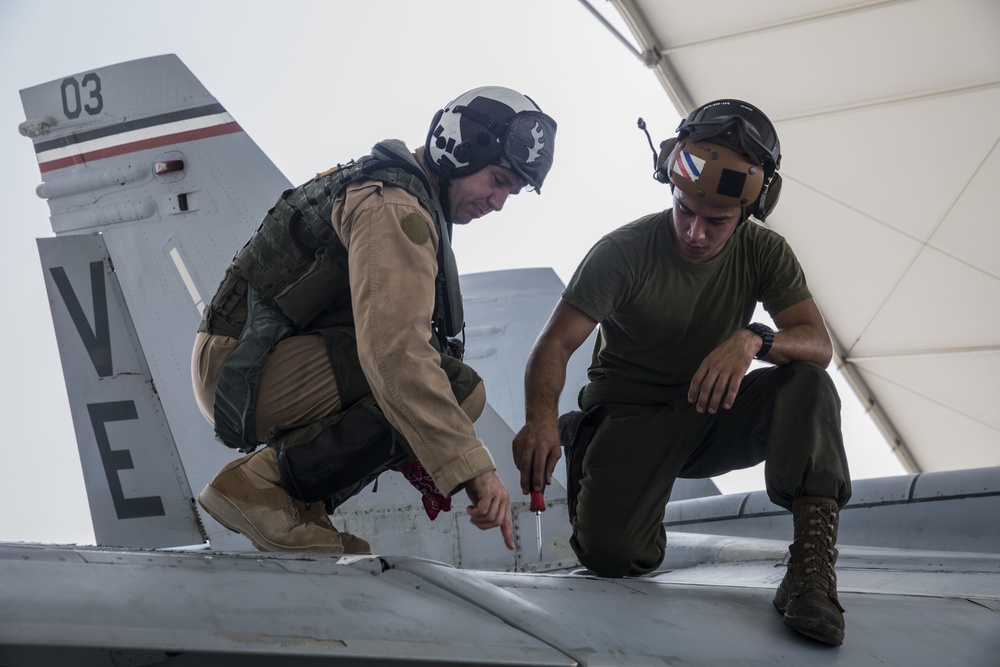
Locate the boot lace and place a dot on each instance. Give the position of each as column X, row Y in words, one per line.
column 313, row 513
column 818, row 561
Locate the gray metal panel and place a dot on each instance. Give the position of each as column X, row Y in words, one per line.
column 406, row 611
column 731, row 623
column 721, row 560
column 253, row 605
column 951, row 510
column 135, row 482
column 128, row 90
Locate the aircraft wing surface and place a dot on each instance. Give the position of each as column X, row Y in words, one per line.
column 709, row 604
column 913, row 597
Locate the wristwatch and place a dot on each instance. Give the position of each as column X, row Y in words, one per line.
column 765, row 332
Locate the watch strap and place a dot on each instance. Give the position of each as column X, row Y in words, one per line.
column 766, row 333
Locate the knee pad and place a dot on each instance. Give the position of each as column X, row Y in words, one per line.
column 474, row 405
column 334, row 458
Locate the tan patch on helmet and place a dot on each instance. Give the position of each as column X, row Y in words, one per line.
column 713, row 173
column 415, row 229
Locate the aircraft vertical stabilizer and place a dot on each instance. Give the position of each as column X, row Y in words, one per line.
column 126, row 448
column 152, row 186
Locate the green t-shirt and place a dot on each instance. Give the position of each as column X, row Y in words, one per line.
column 660, row 314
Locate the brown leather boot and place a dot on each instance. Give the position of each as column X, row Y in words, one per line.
column 807, row 595
column 315, row 513
column 246, row 497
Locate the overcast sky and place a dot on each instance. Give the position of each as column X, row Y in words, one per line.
column 313, row 83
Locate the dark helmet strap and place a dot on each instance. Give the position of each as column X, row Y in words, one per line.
column 443, row 186
column 481, row 118
column 443, row 169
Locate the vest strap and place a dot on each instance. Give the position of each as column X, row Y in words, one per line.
column 236, row 389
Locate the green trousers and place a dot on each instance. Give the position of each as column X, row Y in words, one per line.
column 787, row 416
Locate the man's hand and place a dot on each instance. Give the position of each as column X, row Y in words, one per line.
column 490, row 505
column 801, row 336
column 718, row 378
column 536, row 447
column 536, row 451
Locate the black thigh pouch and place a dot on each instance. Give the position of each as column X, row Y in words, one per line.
column 334, row 458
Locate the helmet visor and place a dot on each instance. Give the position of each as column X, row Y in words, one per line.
column 528, row 147
column 740, row 125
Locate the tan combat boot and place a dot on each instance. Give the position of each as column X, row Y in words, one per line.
column 246, row 497
column 807, row 595
column 315, row 513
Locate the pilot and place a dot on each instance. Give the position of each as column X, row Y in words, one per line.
column 331, row 339
column 669, row 394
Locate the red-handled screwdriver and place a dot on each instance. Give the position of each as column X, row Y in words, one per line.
column 538, row 506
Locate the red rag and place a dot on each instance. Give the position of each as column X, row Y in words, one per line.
column 434, row 501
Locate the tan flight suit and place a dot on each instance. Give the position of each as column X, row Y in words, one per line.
column 392, row 262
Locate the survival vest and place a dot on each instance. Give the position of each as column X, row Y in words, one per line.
column 291, row 277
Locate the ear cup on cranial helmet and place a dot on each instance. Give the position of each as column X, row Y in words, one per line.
column 768, row 198
column 666, row 147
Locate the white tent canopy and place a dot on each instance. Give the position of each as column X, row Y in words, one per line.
column 889, row 118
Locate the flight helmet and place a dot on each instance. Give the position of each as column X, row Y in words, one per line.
column 726, row 153
column 491, row 125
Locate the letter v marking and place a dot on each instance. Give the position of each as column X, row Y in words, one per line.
column 96, row 340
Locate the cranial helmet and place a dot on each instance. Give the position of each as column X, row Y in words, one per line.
column 726, row 153
column 491, row 125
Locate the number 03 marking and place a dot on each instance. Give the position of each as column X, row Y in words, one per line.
column 83, row 95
